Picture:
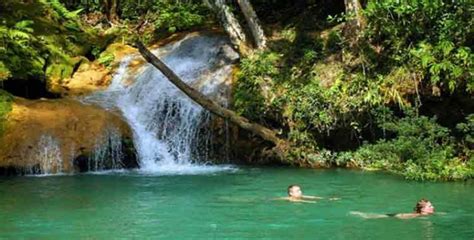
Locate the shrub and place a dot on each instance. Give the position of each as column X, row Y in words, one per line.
column 334, row 42
column 34, row 40
column 106, row 58
column 5, row 107
column 432, row 37
column 466, row 145
column 178, row 16
column 256, row 73
column 421, row 150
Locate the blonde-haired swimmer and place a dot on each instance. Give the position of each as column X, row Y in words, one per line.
column 422, row 208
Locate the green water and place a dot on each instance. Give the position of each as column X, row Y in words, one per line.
column 229, row 205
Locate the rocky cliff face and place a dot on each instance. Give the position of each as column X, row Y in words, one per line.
column 91, row 76
column 63, row 135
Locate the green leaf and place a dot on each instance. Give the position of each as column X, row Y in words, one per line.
column 446, row 47
column 24, row 26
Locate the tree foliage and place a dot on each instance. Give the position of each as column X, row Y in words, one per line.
column 40, row 36
column 432, row 37
column 341, row 100
column 323, row 93
column 165, row 15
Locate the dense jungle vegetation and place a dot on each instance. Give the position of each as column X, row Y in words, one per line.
column 394, row 94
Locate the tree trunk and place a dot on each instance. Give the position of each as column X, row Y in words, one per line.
column 253, row 22
column 113, row 16
column 356, row 22
column 353, row 9
column 230, row 24
column 201, row 99
column 110, row 8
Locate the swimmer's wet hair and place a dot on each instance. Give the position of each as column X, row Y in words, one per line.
column 292, row 186
column 420, row 204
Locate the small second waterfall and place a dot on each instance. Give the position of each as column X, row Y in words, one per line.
column 49, row 155
column 171, row 132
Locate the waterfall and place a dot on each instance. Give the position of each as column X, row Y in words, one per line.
column 171, row 132
column 47, row 158
column 48, row 154
column 107, row 152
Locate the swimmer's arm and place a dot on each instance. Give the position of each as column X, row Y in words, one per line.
column 312, row 197
column 281, row 198
column 319, row 198
column 294, row 200
column 301, row 201
column 368, row 215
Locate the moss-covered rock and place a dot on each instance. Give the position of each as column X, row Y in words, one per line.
column 89, row 76
column 42, row 40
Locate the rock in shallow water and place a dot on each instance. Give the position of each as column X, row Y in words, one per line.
column 52, row 136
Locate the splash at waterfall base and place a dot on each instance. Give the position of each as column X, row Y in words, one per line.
column 63, row 136
column 173, row 134
column 132, row 118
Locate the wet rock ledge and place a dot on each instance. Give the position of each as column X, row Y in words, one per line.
column 63, row 136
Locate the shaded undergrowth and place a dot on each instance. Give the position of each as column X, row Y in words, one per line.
column 372, row 102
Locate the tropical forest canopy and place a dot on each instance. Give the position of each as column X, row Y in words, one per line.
column 388, row 85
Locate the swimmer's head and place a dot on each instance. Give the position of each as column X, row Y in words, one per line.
column 294, row 191
column 424, row 207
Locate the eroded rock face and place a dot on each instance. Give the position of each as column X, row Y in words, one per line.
column 63, row 135
column 89, row 76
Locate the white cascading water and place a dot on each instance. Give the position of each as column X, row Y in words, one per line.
column 48, row 155
column 170, row 132
column 107, row 154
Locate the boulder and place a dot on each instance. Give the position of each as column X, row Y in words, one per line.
column 88, row 77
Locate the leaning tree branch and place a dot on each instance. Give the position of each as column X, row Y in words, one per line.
column 255, row 128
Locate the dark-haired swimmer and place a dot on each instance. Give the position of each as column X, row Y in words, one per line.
column 295, row 194
column 422, row 208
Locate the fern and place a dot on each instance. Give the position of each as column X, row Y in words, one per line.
column 18, row 35
column 61, row 10
column 74, row 14
column 24, row 26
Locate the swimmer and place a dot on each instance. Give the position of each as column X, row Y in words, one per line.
column 422, row 208
column 295, row 194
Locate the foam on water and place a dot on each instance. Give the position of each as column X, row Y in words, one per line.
column 188, row 169
column 169, row 170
